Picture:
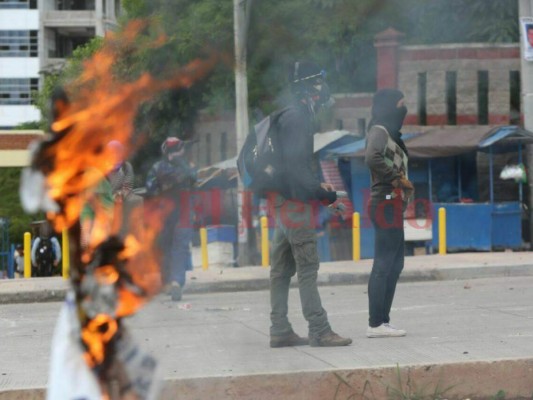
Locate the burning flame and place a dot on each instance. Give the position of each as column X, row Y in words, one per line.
column 103, row 109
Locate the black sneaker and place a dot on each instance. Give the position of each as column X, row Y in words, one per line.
column 330, row 339
column 289, row 340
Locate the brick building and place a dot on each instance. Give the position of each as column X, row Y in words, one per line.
column 444, row 85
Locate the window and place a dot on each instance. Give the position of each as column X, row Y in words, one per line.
column 340, row 124
column 451, row 97
column 27, row 4
column 422, row 99
column 18, row 44
column 208, row 149
column 483, row 97
column 17, row 91
column 514, row 88
column 223, row 146
column 75, row 5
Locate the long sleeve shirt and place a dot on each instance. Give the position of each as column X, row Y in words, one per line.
column 386, row 161
column 301, row 180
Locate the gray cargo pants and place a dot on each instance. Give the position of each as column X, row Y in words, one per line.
column 294, row 251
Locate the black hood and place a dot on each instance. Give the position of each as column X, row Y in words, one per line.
column 385, row 112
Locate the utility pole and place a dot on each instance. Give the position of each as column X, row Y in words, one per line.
column 526, row 78
column 241, row 15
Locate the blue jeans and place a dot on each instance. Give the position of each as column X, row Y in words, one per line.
column 175, row 244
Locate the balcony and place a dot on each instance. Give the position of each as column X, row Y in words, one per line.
column 69, row 18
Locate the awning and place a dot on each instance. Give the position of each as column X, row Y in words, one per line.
column 446, row 141
column 322, row 140
column 357, row 149
column 450, row 141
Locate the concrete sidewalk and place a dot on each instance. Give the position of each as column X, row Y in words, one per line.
column 216, row 279
column 467, row 339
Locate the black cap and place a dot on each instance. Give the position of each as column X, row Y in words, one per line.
column 305, row 71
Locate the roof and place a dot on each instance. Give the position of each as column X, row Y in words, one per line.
column 450, row 141
column 446, row 142
column 356, row 149
column 322, row 140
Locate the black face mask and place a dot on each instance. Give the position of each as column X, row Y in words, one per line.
column 396, row 119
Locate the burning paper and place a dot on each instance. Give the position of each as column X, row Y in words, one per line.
column 93, row 355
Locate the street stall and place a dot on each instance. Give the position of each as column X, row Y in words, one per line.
column 459, row 170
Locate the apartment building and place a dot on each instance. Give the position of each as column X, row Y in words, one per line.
column 36, row 36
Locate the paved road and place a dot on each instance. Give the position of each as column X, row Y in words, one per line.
column 225, row 334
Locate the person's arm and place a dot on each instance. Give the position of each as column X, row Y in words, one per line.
column 34, row 250
column 298, row 158
column 152, row 184
column 374, row 157
column 57, row 250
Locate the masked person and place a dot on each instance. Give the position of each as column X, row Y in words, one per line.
column 171, row 178
column 386, row 157
column 294, row 246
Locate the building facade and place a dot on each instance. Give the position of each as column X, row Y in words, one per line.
column 448, row 85
column 36, row 36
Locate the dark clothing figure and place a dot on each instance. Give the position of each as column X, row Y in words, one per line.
column 294, row 247
column 172, row 179
column 386, row 157
column 45, row 252
column 301, row 180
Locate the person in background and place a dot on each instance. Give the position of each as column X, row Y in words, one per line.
column 45, row 252
column 386, row 157
column 18, row 259
column 172, row 179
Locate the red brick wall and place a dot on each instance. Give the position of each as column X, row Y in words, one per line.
column 12, row 141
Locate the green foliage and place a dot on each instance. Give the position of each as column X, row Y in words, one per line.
column 499, row 396
column 31, row 125
column 55, row 79
column 10, row 205
column 338, row 34
column 409, row 390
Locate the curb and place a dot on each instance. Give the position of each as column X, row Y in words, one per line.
column 479, row 380
column 324, row 279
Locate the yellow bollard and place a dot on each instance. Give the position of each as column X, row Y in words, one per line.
column 265, row 256
column 203, row 246
column 27, row 255
column 356, row 236
column 65, row 254
column 442, row 231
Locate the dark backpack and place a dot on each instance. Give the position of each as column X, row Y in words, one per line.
column 260, row 162
column 45, row 257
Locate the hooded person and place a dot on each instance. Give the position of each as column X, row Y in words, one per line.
column 295, row 205
column 386, row 156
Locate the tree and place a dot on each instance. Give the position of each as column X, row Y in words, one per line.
column 10, row 207
column 336, row 33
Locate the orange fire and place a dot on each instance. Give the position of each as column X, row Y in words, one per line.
column 103, row 109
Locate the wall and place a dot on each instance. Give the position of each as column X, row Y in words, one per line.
column 466, row 60
column 14, row 145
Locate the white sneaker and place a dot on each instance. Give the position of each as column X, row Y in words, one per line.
column 384, row 330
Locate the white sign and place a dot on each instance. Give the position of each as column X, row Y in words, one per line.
column 527, row 33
